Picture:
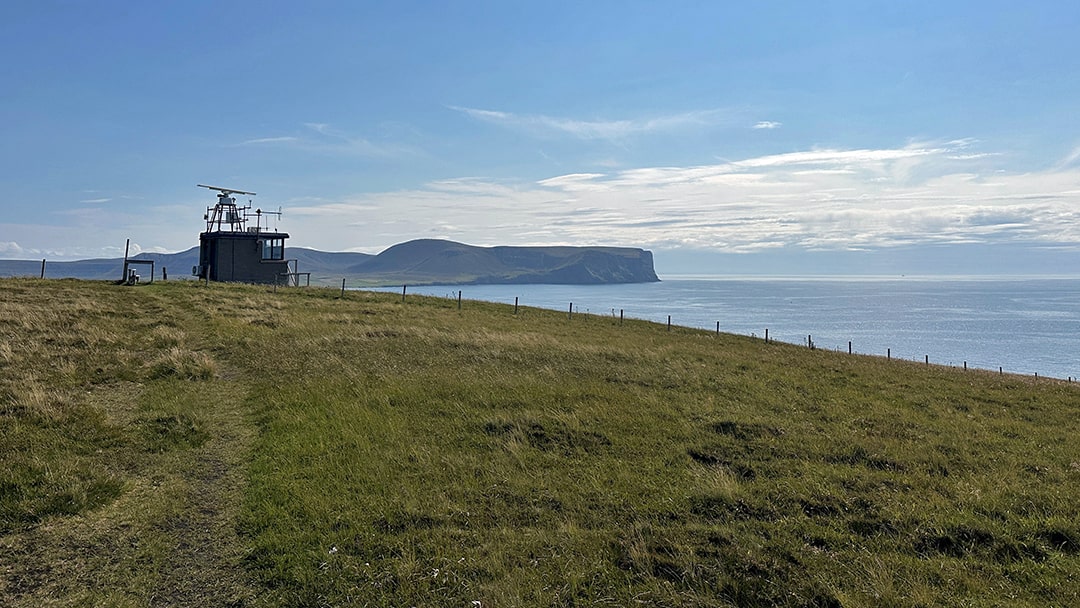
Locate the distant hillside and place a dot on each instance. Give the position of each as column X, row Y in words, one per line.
column 178, row 265
column 436, row 261
column 425, row 261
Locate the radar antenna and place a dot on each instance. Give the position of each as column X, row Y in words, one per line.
column 225, row 212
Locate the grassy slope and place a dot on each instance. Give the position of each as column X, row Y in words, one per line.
column 188, row 445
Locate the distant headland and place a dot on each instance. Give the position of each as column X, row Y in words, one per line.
column 417, row 262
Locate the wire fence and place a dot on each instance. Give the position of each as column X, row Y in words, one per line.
column 572, row 312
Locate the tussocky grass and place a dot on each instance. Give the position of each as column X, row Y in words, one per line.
column 361, row 450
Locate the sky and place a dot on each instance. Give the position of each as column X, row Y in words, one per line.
column 769, row 137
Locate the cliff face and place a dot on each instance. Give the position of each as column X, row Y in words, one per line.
column 437, row 261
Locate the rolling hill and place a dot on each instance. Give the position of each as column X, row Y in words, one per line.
column 424, row 261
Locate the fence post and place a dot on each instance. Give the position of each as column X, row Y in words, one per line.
column 849, row 347
column 620, row 316
column 43, row 269
column 515, row 304
column 965, row 366
column 888, row 354
column 718, row 328
column 459, row 299
column 766, row 335
column 928, row 359
column 403, row 288
column 127, row 246
column 570, row 312
column 669, row 322
column 342, row 285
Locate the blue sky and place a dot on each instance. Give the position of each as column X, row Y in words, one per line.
column 758, row 137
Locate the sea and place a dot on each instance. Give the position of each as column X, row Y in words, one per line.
column 1016, row 325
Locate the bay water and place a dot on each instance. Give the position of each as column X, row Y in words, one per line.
column 1020, row 325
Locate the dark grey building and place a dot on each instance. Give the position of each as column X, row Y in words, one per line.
column 232, row 251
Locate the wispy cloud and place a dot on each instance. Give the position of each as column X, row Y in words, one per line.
column 269, row 140
column 323, row 138
column 541, row 124
column 767, row 124
column 1070, row 159
column 973, row 156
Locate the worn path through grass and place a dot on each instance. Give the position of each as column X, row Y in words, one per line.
column 127, row 393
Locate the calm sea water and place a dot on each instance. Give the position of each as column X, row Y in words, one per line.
column 1025, row 326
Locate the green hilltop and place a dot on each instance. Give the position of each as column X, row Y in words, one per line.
column 189, row 444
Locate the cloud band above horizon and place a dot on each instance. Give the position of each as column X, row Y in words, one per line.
column 817, row 199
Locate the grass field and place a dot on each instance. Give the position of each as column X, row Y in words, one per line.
column 224, row 445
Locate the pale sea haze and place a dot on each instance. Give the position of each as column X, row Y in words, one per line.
column 1023, row 325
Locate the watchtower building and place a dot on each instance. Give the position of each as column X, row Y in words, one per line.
column 232, row 251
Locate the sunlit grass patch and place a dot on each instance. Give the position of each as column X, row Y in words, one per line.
column 167, row 336
column 182, row 363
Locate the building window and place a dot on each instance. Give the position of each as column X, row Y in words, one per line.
column 273, row 249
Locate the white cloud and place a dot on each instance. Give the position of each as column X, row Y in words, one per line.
column 972, row 156
column 269, row 140
column 595, row 129
column 865, row 158
column 322, row 138
column 768, row 124
column 815, row 199
column 839, row 199
column 11, row 249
